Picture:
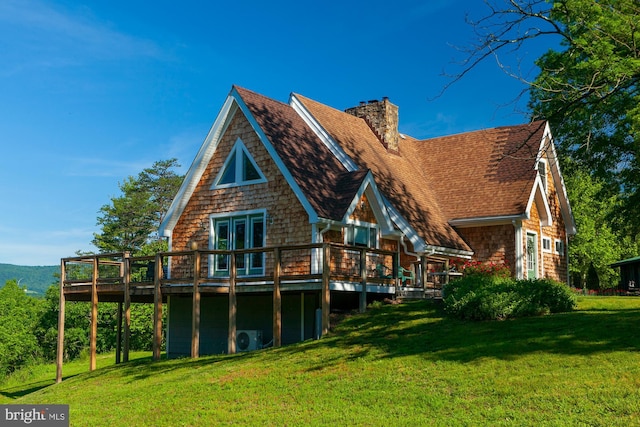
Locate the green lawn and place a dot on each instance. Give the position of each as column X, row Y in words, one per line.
column 396, row 365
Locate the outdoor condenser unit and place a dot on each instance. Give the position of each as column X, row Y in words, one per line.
column 247, row 340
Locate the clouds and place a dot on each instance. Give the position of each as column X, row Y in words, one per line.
column 40, row 35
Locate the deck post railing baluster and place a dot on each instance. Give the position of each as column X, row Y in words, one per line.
column 94, row 316
column 127, row 305
column 277, row 299
column 363, row 280
column 157, row 309
column 233, row 305
column 195, row 321
column 61, row 309
column 326, row 292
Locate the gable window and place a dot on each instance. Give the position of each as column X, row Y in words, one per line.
column 559, row 247
column 364, row 236
column 236, row 233
column 238, row 169
column 546, row 244
column 542, row 170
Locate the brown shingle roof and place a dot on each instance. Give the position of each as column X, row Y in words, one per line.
column 400, row 178
column 326, row 184
column 485, row 173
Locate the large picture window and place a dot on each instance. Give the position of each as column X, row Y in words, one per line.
column 236, row 233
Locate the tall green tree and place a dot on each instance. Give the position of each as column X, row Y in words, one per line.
column 587, row 86
column 132, row 219
column 596, row 246
column 589, row 91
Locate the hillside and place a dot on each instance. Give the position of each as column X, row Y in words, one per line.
column 394, row 365
column 36, row 279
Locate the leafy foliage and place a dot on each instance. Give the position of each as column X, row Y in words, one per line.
column 588, row 88
column 485, row 297
column 597, row 244
column 19, row 313
column 132, row 219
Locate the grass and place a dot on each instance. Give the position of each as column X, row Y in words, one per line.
column 396, row 365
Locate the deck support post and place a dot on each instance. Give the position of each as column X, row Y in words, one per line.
column 446, row 271
column 326, row 293
column 423, row 275
column 93, row 335
column 195, row 314
column 363, row 280
column 61, row 308
column 127, row 305
column 157, row 309
column 277, row 300
column 233, row 305
column 119, row 333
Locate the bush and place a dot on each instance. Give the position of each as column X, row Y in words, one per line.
column 483, row 297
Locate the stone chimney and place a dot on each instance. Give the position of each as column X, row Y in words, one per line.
column 382, row 118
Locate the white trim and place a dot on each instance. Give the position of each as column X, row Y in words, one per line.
column 376, row 202
column 517, row 225
column 394, row 216
column 537, row 249
column 558, row 180
column 485, row 221
column 555, row 247
column 232, row 216
column 239, row 149
column 548, row 239
column 538, row 194
column 233, row 102
column 199, row 165
column 543, row 160
column 352, row 225
column 313, row 216
column 324, row 136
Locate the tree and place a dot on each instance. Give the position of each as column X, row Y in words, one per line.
column 19, row 313
column 132, row 219
column 596, row 246
column 588, row 88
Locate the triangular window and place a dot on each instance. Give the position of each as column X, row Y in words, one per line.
column 238, row 169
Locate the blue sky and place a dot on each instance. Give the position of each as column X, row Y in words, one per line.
column 91, row 94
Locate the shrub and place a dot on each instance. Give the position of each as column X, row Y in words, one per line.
column 483, row 297
column 485, row 268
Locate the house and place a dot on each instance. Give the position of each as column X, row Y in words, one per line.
column 629, row 275
column 272, row 174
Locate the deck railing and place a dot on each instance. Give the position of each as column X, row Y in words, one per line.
column 256, row 266
column 121, row 277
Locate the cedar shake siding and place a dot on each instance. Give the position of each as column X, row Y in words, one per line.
column 492, row 244
column 290, row 222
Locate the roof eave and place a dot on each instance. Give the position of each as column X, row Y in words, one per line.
column 487, row 220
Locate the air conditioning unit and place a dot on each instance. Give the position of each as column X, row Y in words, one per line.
column 248, row 340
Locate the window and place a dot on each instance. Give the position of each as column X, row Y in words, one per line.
column 542, row 170
column 559, row 247
column 532, row 256
column 364, row 236
column 238, row 169
column 546, row 244
column 234, row 233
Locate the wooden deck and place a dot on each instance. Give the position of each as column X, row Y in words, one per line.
column 121, row 278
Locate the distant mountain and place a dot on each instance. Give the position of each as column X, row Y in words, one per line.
column 36, row 279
